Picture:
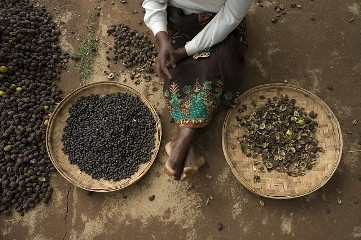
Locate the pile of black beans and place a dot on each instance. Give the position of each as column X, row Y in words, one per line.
column 109, row 137
column 30, row 62
column 130, row 47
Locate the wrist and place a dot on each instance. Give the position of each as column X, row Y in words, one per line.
column 162, row 38
column 182, row 52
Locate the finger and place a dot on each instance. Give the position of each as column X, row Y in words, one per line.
column 169, row 65
column 161, row 61
column 166, row 72
column 163, row 67
column 157, row 71
column 162, row 76
column 172, row 60
column 157, row 68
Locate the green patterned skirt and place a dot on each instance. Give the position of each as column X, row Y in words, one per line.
column 208, row 80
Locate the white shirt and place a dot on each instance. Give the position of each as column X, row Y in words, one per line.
column 229, row 15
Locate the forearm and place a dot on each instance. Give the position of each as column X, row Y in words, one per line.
column 225, row 21
column 161, row 38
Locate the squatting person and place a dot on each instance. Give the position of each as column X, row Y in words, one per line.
column 200, row 59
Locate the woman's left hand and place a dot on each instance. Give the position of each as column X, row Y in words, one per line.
column 180, row 54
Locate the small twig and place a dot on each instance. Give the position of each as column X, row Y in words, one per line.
column 354, row 151
column 106, row 44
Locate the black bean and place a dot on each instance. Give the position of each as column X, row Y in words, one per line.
column 109, row 137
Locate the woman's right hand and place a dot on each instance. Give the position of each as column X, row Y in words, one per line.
column 166, row 54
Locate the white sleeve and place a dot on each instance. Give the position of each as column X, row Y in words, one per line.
column 155, row 15
column 225, row 21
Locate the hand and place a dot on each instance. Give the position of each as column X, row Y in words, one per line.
column 179, row 55
column 166, row 53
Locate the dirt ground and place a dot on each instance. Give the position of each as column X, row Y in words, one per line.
column 311, row 54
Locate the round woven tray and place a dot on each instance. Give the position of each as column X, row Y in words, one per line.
column 275, row 184
column 55, row 132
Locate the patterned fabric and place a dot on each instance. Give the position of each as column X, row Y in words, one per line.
column 198, row 103
column 208, row 80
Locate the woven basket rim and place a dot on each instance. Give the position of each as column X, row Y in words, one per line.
column 128, row 89
column 307, row 93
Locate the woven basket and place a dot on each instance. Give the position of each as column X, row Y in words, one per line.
column 275, row 184
column 55, row 132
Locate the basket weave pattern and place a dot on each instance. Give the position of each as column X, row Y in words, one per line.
column 55, row 132
column 276, row 184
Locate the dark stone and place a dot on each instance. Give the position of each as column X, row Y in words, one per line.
column 151, row 198
column 328, row 210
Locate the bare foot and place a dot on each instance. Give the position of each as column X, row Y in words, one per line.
column 175, row 163
column 168, row 167
column 192, row 164
column 177, row 151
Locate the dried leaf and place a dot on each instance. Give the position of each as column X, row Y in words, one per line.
column 209, row 177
